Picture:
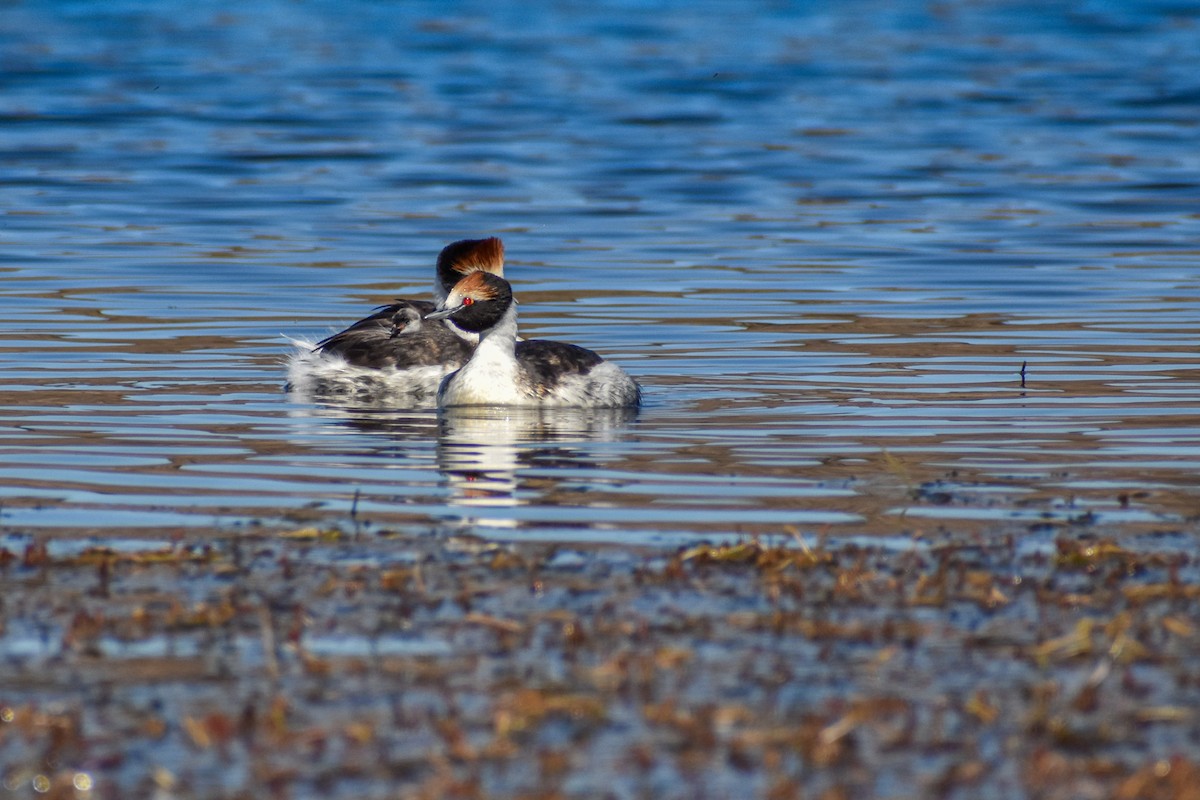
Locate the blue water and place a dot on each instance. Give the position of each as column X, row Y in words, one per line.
column 825, row 237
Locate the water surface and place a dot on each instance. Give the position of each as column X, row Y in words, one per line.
column 827, row 241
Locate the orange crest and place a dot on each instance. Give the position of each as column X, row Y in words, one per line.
column 473, row 255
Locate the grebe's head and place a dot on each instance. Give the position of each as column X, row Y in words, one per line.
column 465, row 257
column 406, row 320
column 476, row 303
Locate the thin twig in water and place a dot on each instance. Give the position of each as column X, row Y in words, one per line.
column 1023, row 365
column 354, row 512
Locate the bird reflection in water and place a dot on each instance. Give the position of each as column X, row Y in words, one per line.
column 493, row 460
column 496, row 458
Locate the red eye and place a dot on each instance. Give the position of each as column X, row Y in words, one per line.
column 468, row 301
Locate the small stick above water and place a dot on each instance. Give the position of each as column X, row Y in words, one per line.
column 1023, row 365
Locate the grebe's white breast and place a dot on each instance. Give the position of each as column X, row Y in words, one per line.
column 396, row 356
column 536, row 372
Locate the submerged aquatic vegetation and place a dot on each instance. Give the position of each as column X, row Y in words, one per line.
column 314, row 663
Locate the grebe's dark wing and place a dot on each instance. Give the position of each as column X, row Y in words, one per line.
column 397, row 336
column 544, row 362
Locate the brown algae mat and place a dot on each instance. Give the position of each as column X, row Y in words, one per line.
column 1050, row 663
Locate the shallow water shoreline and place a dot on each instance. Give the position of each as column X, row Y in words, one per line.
column 310, row 662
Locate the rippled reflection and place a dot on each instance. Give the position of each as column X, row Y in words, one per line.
column 495, row 459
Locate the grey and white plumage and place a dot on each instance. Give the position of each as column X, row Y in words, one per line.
column 395, row 355
column 505, row 371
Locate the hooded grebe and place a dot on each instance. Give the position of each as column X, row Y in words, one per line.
column 506, row 372
column 397, row 335
column 395, row 354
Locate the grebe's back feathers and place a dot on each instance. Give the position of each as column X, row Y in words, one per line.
column 543, row 360
column 398, row 337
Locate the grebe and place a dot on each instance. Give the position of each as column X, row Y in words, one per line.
column 506, row 372
column 395, row 354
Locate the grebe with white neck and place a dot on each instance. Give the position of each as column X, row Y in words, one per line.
column 504, row 371
column 395, row 355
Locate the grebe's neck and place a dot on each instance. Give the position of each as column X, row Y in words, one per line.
column 503, row 335
column 468, row 336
